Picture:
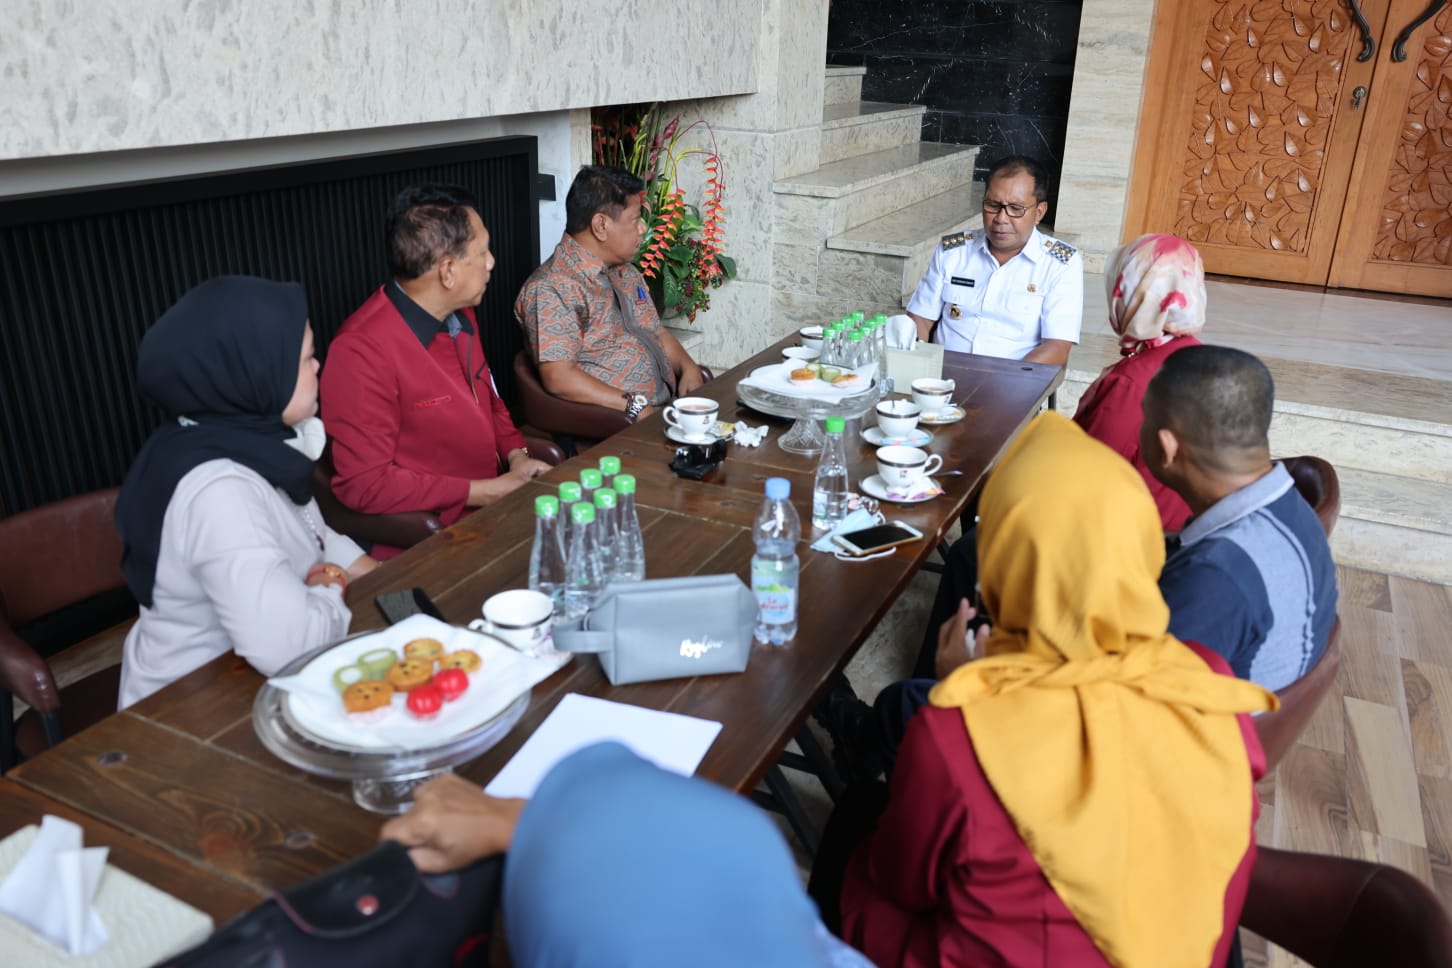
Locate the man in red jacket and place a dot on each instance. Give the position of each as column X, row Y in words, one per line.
column 415, row 422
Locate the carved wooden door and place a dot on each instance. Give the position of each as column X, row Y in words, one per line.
column 1253, row 138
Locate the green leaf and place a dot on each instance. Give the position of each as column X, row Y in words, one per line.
column 728, row 266
column 672, row 293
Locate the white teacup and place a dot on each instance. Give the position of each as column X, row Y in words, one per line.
column 932, row 395
column 693, row 416
column 811, row 337
column 520, row 617
column 902, row 467
column 897, row 418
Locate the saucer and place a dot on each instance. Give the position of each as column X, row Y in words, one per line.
column 952, row 413
column 674, row 433
column 875, row 437
column 874, row 486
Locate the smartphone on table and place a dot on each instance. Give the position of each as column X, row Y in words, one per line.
column 876, row 538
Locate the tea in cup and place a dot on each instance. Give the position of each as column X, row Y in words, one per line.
column 902, row 467
column 897, row 418
column 811, row 337
column 693, row 416
column 522, row 618
column 932, row 395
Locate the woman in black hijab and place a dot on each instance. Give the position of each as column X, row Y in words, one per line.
column 224, row 547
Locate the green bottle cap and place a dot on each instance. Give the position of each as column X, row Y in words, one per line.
column 624, row 483
column 605, row 497
column 834, row 425
column 855, row 336
column 610, row 466
column 858, row 316
column 582, row 513
column 591, row 478
column 546, row 506
column 570, row 492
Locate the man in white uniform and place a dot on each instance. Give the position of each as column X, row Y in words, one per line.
column 1005, row 290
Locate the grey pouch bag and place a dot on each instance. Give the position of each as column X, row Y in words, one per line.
column 667, row 628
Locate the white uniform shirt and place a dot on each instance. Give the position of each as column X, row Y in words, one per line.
column 229, row 577
column 1001, row 310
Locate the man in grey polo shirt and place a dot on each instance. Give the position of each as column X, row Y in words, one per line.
column 1252, row 577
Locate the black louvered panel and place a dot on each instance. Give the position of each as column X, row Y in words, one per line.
column 85, row 273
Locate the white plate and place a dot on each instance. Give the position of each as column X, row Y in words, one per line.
column 679, row 435
column 776, row 378
column 803, row 353
column 874, row 486
column 315, row 706
column 952, row 413
column 875, row 437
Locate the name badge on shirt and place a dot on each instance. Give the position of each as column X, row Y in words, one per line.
column 961, row 281
column 640, row 295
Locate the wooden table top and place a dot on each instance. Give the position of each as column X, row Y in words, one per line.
column 183, row 781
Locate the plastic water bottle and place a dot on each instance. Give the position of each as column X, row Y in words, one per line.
column 774, row 567
column 609, row 467
column 856, row 349
column 629, row 543
column 547, row 557
column 829, row 490
column 606, row 534
column 570, row 494
column 590, row 479
column 584, row 578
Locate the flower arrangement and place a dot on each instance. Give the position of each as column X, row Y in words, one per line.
column 681, row 255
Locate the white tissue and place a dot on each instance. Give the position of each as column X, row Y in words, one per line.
column 51, row 888
column 902, row 332
column 748, row 436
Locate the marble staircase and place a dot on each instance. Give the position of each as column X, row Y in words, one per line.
column 857, row 232
column 1388, row 435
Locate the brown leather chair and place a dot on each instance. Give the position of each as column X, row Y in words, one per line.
column 55, row 556
column 574, row 426
column 406, row 528
column 1338, row 913
column 1317, row 481
column 1280, row 729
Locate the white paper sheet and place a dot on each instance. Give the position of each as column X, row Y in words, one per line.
column 669, row 740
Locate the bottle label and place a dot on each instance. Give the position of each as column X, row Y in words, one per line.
column 776, row 600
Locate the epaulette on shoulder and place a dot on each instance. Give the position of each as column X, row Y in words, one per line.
column 956, row 239
column 1062, row 251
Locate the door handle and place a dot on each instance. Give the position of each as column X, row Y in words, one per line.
column 1399, row 49
column 1368, row 45
column 1357, row 95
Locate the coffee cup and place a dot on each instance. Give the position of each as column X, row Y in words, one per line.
column 693, row 416
column 897, row 418
column 932, row 395
column 902, row 467
column 522, row 618
column 811, row 337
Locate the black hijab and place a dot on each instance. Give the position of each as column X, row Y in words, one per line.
column 224, row 358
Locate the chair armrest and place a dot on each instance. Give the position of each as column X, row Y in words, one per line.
column 25, row 674
column 402, row 530
column 545, row 450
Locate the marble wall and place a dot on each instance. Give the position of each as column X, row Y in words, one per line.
column 117, row 75
column 995, row 74
column 1103, row 120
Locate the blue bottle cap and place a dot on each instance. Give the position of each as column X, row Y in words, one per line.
column 778, row 488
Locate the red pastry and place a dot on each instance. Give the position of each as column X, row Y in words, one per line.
column 452, row 683
column 425, row 701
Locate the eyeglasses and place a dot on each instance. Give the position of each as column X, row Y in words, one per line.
column 1014, row 211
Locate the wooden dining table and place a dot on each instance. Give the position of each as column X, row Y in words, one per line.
column 191, row 801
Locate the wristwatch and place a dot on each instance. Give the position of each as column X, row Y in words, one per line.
column 634, row 403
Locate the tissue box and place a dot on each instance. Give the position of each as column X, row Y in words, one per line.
column 905, row 366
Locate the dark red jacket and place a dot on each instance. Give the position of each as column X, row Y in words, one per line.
column 945, row 878
column 411, row 424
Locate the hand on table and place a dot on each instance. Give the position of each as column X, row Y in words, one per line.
column 528, row 467
column 690, row 380
column 954, row 645
column 452, row 824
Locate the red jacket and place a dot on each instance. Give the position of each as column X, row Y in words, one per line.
column 410, row 425
column 945, row 878
column 1112, row 416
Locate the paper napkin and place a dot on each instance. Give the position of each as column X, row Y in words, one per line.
column 51, row 888
column 902, row 332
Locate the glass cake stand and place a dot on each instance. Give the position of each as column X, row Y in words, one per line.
column 805, row 434
column 383, row 778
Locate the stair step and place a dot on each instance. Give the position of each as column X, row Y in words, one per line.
column 842, row 194
column 843, row 85
column 1404, row 502
column 853, row 128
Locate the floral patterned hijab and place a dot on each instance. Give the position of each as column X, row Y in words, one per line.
column 1156, row 290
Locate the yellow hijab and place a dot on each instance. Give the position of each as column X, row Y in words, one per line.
column 1109, row 743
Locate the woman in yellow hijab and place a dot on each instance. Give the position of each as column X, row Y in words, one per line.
column 1083, row 795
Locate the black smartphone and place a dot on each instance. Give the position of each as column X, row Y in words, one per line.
column 877, row 538
column 399, row 605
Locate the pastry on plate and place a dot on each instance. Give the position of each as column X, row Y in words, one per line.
column 365, row 696
column 803, row 377
column 409, row 674
column 429, row 649
column 466, row 659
